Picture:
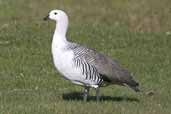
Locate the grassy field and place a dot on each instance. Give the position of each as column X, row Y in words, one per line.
column 136, row 33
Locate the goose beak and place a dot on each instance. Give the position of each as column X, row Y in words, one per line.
column 46, row 18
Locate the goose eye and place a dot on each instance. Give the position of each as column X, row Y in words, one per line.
column 55, row 13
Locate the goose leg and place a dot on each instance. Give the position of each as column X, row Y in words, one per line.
column 97, row 94
column 86, row 91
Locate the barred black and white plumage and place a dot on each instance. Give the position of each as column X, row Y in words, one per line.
column 106, row 69
column 82, row 65
column 84, row 62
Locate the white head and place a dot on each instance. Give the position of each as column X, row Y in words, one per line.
column 61, row 18
column 57, row 15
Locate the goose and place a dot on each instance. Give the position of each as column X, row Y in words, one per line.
column 84, row 66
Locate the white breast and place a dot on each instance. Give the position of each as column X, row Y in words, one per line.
column 63, row 60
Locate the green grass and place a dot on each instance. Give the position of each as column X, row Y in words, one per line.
column 136, row 33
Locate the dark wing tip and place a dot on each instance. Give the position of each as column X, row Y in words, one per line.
column 135, row 87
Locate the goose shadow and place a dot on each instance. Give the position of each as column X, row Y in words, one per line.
column 78, row 96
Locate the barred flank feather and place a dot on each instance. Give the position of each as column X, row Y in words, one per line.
column 89, row 71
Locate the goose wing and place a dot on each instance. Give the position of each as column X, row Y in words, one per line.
column 110, row 70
